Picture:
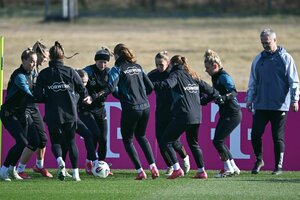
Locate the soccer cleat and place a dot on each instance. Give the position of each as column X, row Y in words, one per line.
column 201, row 175
column 237, row 171
column 186, row 164
column 4, row 177
column 110, row 173
column 42, row 171
column 257, row 166
column 141, row 176
column 61, row 172
column 154, row 172
column 169, row 171
column 68, row 175
column 13, row 174
column 88, row 168
column 176, row 174
column 23, row 175
column 224, row 173
column 277, row 171
column 76, row 178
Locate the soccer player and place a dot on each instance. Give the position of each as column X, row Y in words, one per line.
column 13, row 113
column 36, row 129
column 57, row 86
column 94, row 115
column 129, row 82
column 163, row 111
column 230, row 111
column 185, row 86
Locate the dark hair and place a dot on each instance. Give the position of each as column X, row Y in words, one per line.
column 121, row 50
column 179, row 60
column 57, row 52
column 27, row 53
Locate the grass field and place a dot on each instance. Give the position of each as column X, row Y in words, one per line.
column 122, row 186
column 235, row 39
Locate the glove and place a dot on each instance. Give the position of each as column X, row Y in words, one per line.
column 219, row 100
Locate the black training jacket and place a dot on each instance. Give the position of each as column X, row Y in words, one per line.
column 57, row 86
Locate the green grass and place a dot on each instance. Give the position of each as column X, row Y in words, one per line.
column 123, row 186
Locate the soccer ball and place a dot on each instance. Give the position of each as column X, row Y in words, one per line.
column 101, row 169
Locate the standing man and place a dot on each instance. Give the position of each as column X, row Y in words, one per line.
column 273, row 88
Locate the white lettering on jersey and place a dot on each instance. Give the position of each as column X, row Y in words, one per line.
column 56, row 87
column 192, row 88
column 133, row 70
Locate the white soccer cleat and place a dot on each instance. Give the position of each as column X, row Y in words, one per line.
column 61, row 172
column 13, row 174
column 186, row 164
column 76, row 178
column 169, row 171
column 224, row 173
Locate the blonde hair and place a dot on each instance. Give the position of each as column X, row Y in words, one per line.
column 39, row 48
column 179, row 60
column 212, row 57
column 162, row 55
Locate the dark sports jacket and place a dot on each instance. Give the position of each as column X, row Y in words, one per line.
column 131, row 83
column 163, row 97
column 57, row 86
column 97, row 82
column 223, row 82
column 19, row 94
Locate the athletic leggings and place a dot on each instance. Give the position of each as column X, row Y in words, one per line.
column 38, row 125
column 17, row 128
column 225, row 126
column 134, row 123
column 172, row 133
column 278, row 121
column 86, row 134
column 97, row 123
column 177, row 145
column 64, row 134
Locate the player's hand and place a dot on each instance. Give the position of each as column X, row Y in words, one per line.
column 249, row 106
column 295, row 107
column 88, row 100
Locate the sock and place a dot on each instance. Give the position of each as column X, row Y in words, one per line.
column 139, row 170
column 186, row 158
column 4, row 169
column 39, row 163
column 233, row 163
column 227, row 166
column 12, row 168
column 201, row 169
column 153, row 165
column 21, row 167
column 176, row 166
column 60, row 161
column 95, row 162
column 75, row 172
column 87, row 160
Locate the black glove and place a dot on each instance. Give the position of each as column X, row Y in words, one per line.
column 219, row 100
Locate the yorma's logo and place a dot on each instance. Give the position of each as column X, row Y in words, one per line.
column 133, row 70
column 192, row 88
column 56, row 87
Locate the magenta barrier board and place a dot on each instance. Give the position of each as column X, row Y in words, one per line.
column 239, row 141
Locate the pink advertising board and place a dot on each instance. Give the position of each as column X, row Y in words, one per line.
column 239, row 141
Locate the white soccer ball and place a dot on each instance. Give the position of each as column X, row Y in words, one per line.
column 101, row 169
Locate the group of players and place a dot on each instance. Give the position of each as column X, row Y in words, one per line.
column 74, row 102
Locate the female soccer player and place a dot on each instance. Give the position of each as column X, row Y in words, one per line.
column 163, row 111
column 185, row 87
column 230, row 111
column 129, row 82
column 94, row 115
column 13, row 113
column 57, row 86
column 36, row 127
